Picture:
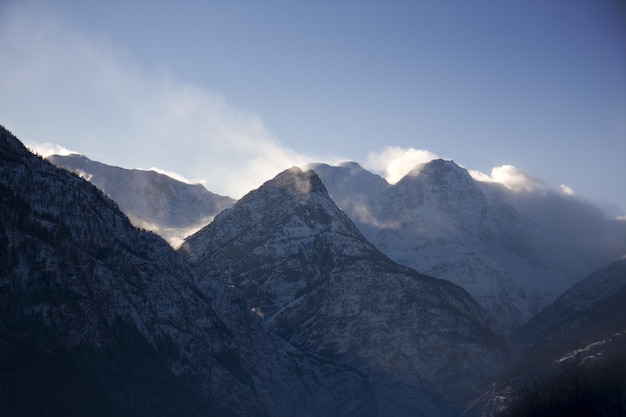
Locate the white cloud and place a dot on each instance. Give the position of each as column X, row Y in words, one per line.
column 394, row 162
column 46, row 149
column 175, row 175
column 78, row 89
column 566, row 190
column 513, row 178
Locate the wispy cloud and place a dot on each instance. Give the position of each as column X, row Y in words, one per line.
column 46, row 149
column 515, row 179
column 90, row 95
column 566, row 189
column 394, row 162
column 175, row 175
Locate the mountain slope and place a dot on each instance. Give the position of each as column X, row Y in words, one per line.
column 582, row 331
column 593, row 307
column 99, row 318
column 305, row 268
column 152, row 201
column 442, row 222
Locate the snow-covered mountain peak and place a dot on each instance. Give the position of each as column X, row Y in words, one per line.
column 351, row 165
column 444, row 183
column 297, row 183
column 305, row 209
column 151, row 200
column 442, row 222
column 439, row 172
column 436, row 166
column 303, row 266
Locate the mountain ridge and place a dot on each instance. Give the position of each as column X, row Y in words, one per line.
column 307, row 270
column 96, row 312
column 439, row 220
column 151, row 200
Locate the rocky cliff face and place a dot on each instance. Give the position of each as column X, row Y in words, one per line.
column 152, row 201
column 99, row 318
column 315, row 280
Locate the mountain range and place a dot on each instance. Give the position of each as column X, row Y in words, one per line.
column 326, row 291
column 442, row 222
column 513, row 251
column 305, row 268
column 101, row 318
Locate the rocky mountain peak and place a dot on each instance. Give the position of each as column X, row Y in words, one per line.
column 443, row 182
column 273, row 227
column 316, row 281
column 440, row 171
column 297, row 183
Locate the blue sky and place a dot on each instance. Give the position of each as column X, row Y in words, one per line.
column 232, row 92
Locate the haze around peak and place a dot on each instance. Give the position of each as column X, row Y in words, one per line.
column 231, row 96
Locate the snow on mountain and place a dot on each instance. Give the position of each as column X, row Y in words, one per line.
column 152, row 201
column 311, row 275
column 100, row 318
column 442, row 222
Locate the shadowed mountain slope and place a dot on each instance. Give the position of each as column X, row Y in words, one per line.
column 99, row 318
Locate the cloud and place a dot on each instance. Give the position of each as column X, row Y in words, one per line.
column 78, row 89
column 46, row 149
column 566, row 190
column 175, row 175
column 394, row 162
column 513, row 178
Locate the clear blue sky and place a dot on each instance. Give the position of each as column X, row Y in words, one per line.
column 231, row 92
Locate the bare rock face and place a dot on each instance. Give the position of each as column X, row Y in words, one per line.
column 304, row 267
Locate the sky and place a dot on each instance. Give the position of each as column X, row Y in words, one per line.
column 528, row 93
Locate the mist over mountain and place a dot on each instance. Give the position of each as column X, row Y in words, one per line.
column 441, row 221
column 306, row 269
column 575, row 225
column 100, row 318
column 151, row 200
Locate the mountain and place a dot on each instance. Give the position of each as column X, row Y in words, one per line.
column 100, row 318
column 591, row 309
column 315, row 280
column 152, row 201
column 440, row 221
column 583, row 333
